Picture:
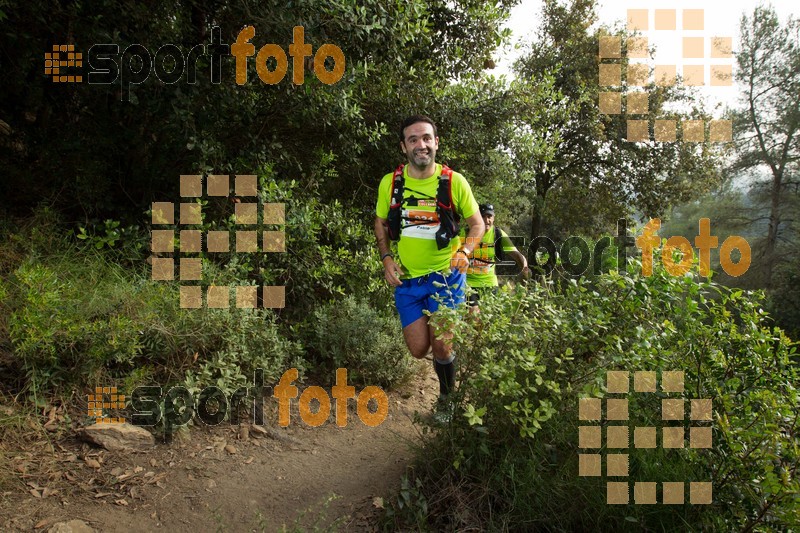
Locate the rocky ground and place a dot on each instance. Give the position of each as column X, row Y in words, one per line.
column 222, row 478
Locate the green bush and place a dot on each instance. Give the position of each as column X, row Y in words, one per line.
column 69, row 318
column 249, row 340
column 350, row 333
column 330, row 248
column 510, row 461
column 78, row 307
column 783, row 301
column 75, row 318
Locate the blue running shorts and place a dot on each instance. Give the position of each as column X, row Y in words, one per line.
column 418, row 294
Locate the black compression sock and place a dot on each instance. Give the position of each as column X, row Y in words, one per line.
column 446, row 372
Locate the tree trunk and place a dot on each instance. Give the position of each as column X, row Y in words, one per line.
column 772, row 232
column 536, row 217
column 537, row 209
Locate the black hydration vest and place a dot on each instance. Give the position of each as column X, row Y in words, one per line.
column 448, row 218
column 499, row 254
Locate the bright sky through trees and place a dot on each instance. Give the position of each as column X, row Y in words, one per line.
column 721, row 19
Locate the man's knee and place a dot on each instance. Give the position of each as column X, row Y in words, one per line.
column 444, row 357
column 419, row 352
column 419, row 348
column 417, row 339
column 441, row 351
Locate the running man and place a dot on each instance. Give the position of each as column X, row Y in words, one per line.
column 430, row 269
column 493, row 248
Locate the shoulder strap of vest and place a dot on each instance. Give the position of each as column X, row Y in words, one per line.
column 398, row 184
column 444, row 194
column 499, row 253
column 498, row 234
column 448, row 218
column 396, row 203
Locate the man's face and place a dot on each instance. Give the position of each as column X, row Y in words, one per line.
column 488, row 220
column 420, row 145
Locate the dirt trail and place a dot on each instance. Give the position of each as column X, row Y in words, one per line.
column 197, row 484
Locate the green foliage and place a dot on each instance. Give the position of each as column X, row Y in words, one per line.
column 79, row 313
column 108, row 238
column 330, row 249
column 351, row 333
column 128, row 145
column 76, row 317
column 588, row 160
column 87, row 313
column 249, row 340
column 128, row 246
column 784, row 300
column 67, row 322
column 331, row 253
column 732, row 212
column 511, row 458
column 410, row 508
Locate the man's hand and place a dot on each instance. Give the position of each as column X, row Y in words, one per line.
column 522, row 263
column 460, row 261
column 392, row 271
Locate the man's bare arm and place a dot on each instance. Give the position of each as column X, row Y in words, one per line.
column 521, row 261
column 476, row 230
column 391, row 270
column 382, row 235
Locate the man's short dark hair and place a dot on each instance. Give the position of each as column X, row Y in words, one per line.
column 413, row 119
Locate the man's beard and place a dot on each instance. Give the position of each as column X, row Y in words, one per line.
column 422, row 158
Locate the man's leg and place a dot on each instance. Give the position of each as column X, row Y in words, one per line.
column 417, row 338
column 420, row 338
column 473, row 298
column 449, row 294
column 410, row 299
column 443, row 360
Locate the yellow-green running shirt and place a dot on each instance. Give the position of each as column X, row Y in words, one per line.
column 417, row 250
